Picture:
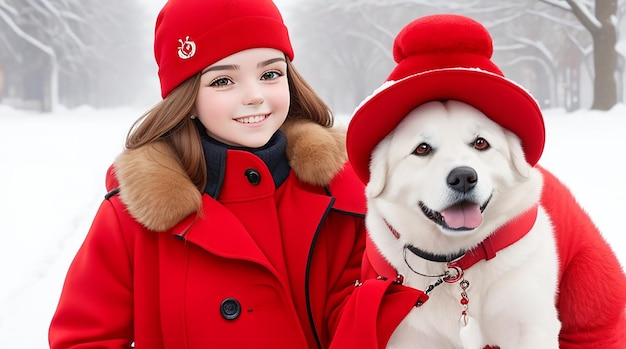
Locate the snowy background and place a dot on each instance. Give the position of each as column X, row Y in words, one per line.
column 52, row 181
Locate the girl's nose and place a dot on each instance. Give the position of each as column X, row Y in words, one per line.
column 253, row 95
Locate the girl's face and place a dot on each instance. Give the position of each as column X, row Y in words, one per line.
column 244, row 98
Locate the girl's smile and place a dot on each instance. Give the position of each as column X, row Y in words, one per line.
column 252, row 119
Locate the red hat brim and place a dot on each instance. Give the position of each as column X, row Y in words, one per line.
column 500, row 99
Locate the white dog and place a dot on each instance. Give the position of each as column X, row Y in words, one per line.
column 444, row 184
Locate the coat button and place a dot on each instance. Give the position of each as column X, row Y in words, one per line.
column 254, row 177
column 230, row 309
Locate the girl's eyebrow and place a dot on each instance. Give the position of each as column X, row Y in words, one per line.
column 270, row 61
column 220, row 67
column 236, row 67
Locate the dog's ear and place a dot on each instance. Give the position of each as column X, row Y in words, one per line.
column 378, row 169
column 517, row 154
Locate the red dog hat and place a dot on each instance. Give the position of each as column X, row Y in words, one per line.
column 190, row 35
column 442, row 57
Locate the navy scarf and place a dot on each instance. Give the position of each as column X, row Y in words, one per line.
column 272, row 154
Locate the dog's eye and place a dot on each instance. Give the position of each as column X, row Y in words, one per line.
column 422, row 149
column 481, row 144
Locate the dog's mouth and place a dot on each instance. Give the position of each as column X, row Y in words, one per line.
column 463, row 215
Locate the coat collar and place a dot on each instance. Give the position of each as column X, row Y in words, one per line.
column 272, row 154
column 158, row 193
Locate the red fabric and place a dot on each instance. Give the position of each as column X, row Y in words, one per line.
column 592, row 289
column 443, row 57
column 374, row 310
column 164, row 290
column 459, row 41
column 190, row 35
column 591, row 300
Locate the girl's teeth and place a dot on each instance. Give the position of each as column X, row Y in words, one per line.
column 252, row 119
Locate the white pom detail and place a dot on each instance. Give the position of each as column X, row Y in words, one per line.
column 471, row 337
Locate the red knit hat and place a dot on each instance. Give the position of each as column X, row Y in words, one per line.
column 442, row 57
column 190, row 35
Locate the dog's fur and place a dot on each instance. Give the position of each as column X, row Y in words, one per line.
column 512, row 296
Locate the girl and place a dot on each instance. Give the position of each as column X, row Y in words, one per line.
column 232, row 219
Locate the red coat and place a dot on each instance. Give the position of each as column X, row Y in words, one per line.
column 260, row 268
column 592, row 287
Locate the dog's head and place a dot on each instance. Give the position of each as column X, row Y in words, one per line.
column 447, row 175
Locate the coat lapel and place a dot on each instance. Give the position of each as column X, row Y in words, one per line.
column 222, row 234
column 302, row 208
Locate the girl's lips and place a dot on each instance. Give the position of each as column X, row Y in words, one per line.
column 252, row 119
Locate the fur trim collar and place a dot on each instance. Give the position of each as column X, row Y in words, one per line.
column 158, row 193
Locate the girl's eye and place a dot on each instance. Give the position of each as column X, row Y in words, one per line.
column 423, row 149
column 271, row 75
column 221, row 82
column 481, row 144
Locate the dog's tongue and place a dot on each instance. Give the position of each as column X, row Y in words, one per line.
column 464, row 215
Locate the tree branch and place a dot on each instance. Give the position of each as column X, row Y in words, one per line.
column 584, row 16
column 537, row 45
column 558, row 4
column 17, row 30
column 70, row 33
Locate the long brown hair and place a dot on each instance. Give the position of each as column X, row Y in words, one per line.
column 170, row 121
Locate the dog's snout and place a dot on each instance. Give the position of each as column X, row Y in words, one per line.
column 462, row 179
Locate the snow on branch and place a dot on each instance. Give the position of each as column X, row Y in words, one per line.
column 17, row 30
column 559, row 20
column 7, row 8
column 580, row 11
column 557, row 3
column 59, row 15
column 537, row 45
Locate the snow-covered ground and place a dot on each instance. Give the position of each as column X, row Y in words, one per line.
column 52, row 181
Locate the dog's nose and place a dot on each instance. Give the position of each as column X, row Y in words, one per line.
column 462, row 179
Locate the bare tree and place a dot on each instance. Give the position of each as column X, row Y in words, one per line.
column 72, row 52
column 344, row 46
column 602, row 28
column 347, row 44
column 11, row 15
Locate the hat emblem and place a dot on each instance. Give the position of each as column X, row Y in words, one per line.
column 187, row 48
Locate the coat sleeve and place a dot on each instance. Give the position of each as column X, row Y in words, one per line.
column 95, row 307
column 372, row 313
column 344, row 248
column 592, row 290
column 347, row 262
